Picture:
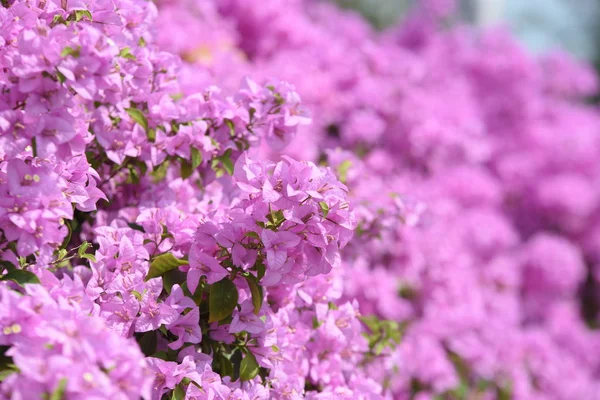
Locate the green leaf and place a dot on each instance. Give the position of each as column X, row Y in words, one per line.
column 461, row 392
column 315, row 323
column 137, row 295
column 252, row 234
column 59, row 392
column 171, row 278
column 372, row 322
column 126, row 53
column 89, row 257
column 223, row 164
column 165, row 232
column 82, row 249
column 136, row 227
column 276, row 218
column 79, row 14
column 151, row 134
column 226, row 367
column 67, row 239
column 21, row 277
column 161, row 355
column 324, row 208
column 134, row 174
column 178, row 393
column 5, row 373
column 60, row 76
column 148, row 342
column 231, row 126
column 278, row 99
column 34, row 146
column 69, row 51
column 58, row 19
column 407, row 292
column 257, row 292
column 196, row 158
column 160, row 171
column 138, row 117
column 342, row 170
column 504, row 392
column 162, row 264
column 249, row 367
column 62, row 253
column 223, row 299
column 6, row 266
column 186, row 169
column 227, row 163
column 261, row 269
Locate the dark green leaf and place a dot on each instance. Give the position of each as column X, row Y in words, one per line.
column 67, row 239
column 136, row 227
column 161, row 355
column 223, row 164
column 21, row 277
column 261, row 269
column 162, row 264
column 249, row 367
column 504, row 392
column 227, row 163
column 315, row 323
column 196, row 158
column 178, row 393
column 34, row 146
column 257, row 292
column 60, row 76
column 276, row 218
column 186, row 169
column 148, row 342
column 5, row 373
column 223, row 299
column 252, row 234
column 151, row 135
column 225, row 366
column 171, row 278
column 6, row 266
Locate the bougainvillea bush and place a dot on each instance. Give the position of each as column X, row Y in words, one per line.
column 255, row 199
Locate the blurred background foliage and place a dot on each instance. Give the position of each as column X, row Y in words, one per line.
column 541, row 25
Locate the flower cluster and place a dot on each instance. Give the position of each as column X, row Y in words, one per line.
column 117, row 197
column 84, row 109
column 472, row 169
column 290, row 223
column 439, row 240
column 56, row 349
